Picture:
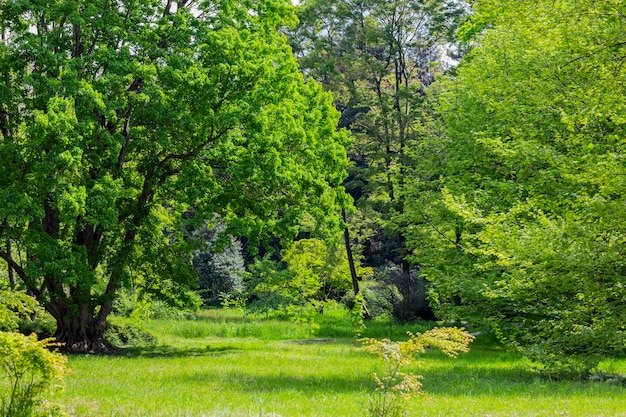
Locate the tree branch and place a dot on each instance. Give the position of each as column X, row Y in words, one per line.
column 122, row 155
column 595, row 51
column 17, row 268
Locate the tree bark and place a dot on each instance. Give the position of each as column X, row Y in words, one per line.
column 11, row 271
column 77, row 329
column 79, row 334
column 346, row 239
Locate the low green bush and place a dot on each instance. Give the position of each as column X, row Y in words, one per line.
column 29, row 371
column 394, row 385
column 42, row 324
column 128, row 334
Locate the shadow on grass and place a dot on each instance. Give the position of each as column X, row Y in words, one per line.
column 488, row 373
column 472, row 375
column 307, row 384
column 454, row 380
column 275, row 383
column 163, row 351
column 458, row 380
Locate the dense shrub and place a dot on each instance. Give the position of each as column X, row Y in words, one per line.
column 16, row 307
column 42, row 324
column 128, row 334
column 133, row 306
column 29, row 371
column 394, row 384
column 384, row 298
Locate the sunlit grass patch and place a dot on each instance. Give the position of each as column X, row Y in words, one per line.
column 281, row 372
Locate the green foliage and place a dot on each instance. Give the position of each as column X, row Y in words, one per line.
column 379, row 298
column 305, row 261
column 304, row 314
column 320, row 271
column 377, row 57
column 15, row 306
column 357, row 315
column 118, row 117
column 234, row 300
column 395, row 385
column 29, row 371
column 532, row 242
column 141, row 307
column 266, row 283
column 128, row 333
column 41, row 323
column 310, row 275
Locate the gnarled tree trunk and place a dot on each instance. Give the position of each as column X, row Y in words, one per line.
column 79, row 330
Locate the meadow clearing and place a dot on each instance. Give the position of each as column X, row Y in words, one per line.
column 223, row 364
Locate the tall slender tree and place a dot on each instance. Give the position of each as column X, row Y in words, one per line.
column 377, row 57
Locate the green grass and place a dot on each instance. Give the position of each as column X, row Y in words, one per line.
column 334, row 323
column 225, row 365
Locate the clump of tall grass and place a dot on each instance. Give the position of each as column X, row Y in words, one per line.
column 333, row 323
column 260, row 329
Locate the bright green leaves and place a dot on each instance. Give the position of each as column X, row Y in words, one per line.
column 534, row 113
column 319, row 271
column 305, row 260
column 15, row 305
column 100, row 206
column 31, row 371
column 393, row 384
column 28, row 368
column 52, row 160
column 119, row 116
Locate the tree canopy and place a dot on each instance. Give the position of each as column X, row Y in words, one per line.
column 535, row 174
column 129, row 129
column 116, row 116
column 378, row 57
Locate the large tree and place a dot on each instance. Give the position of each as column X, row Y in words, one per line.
column 535, row 180
column 117, row 116
column 378, row 57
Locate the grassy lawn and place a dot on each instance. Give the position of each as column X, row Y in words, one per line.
column 225, row 365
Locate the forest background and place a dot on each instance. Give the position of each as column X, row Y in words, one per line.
column 428, row 159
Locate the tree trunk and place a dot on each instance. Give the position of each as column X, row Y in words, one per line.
column 78, row 337
column 346, row 239
column 78, row 331
column 11, row 271
column 407, row 285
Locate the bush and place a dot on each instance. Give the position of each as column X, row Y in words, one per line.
column 128, row 334
column 30, row 371
column 393, row 384
column 15, row 307
column 42, row 324
column 144, row 308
